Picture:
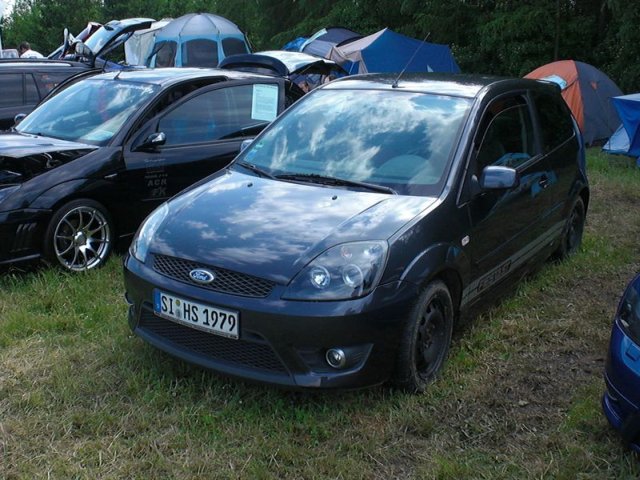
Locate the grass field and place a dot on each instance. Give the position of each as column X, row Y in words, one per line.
column 80, row 397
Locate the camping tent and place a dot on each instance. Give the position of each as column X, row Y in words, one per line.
column 626, row 140
column 196, row 40
column 388, row 51
column 138, row 47
column 321, row 42
column 588, row 93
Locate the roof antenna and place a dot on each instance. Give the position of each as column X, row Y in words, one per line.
column 395, row 82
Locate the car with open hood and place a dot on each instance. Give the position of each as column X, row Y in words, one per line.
column 91, row 161
column 342, row 245
column 25, row 82
column 301, row 68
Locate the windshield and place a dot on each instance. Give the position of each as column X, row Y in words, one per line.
column 91, row 111
column 402, row 140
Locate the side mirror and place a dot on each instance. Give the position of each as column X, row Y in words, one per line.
column 495, row 177
column 152, row 142
column 83, row 51
column 18, row 118
column 245, row 143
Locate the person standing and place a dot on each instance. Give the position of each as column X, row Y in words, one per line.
column 25, row 51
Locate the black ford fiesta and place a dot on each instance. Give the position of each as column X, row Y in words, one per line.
column 90, row 162
column 342, row 245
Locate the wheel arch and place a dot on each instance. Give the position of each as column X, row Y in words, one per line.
column 444, row 262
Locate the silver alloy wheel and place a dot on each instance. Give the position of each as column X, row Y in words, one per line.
column 82, row 238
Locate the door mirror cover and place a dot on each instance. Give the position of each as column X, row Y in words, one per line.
column 18, row 118
column 245, row 143
column 495, row 177
column 153, row 141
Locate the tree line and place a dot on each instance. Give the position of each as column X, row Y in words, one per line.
column 503, row 37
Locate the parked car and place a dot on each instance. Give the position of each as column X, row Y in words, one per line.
column 621, row 401
column 24, row 82
column 86, row 166
column 9, row 53
column 341, row 246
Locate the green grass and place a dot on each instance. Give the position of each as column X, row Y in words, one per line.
column 80, row 397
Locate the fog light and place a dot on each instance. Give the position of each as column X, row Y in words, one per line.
column 336, row 358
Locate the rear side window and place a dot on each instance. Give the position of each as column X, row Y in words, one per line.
column 555, row 120
column 200, row 53
column 11, row 87
column 233, row 46
column 47, row 81
column 31, row 90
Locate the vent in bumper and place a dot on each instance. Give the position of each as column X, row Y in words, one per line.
column 225, row 281
column 240, row 353
column 24, row 237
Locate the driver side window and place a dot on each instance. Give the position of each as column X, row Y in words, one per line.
column 219, row 114
column 508, row 138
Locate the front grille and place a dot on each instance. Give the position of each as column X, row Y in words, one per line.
column 24, row 237
column 237, row 352
column 225, row 281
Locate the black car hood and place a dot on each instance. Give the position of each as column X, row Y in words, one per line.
column 23, row 157
column 272, row 229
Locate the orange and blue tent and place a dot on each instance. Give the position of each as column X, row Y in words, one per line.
column 588, row 92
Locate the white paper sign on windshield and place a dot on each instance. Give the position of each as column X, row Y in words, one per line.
column 264, row 104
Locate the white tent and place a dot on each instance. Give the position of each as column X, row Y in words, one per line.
column 138, row 48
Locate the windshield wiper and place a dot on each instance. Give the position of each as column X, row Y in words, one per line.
column 333, row 181
column 253, row 168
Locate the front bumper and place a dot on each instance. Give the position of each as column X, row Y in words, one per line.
column 621, row 400
column 21, row 234
column 281, row 342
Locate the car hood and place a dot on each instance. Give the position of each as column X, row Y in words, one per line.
column 25, row 156
column 272, row 229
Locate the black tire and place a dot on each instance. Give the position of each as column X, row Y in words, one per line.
column 426, row 339
column 79, row 236
column 573, row 230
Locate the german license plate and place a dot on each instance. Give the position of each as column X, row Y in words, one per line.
column 208, row 318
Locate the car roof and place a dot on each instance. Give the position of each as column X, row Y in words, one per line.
column 461, row 85
column 39, row 63
column 168, row 76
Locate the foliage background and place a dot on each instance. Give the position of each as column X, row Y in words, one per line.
column 504, row 37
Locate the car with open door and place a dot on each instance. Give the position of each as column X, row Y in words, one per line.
column 340, row 248
column 91, row 161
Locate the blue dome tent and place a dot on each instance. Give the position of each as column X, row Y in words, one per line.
column 196, row 40
column 626, row 139
column 388, row 51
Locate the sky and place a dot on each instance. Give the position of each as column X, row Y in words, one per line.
column 5, row 7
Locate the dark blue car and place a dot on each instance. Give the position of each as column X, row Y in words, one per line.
column 342, row 245
column 621, row 401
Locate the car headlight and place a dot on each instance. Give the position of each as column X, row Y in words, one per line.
column 629, row 313
column 140, row 244
column 346, row 271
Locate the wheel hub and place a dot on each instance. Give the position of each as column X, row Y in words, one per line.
column 80, row 239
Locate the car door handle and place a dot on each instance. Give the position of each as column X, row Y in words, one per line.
column 113, row 176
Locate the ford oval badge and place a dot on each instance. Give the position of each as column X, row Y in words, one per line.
column 202, row 276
